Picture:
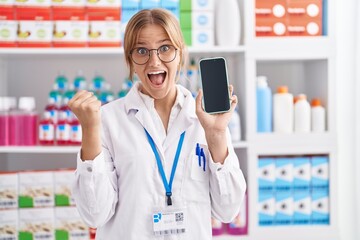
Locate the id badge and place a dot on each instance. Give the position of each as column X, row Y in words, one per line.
column 170, row 220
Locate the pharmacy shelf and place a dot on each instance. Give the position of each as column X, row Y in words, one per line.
column 68, row 149
column 39, row 149
column 231, row 237
column 241, row 144
column 296, row 232
column 291, row 48
column 277, row 142
column 21, row 52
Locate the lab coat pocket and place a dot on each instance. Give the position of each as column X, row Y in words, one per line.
column 196, row 182
column 199, row 168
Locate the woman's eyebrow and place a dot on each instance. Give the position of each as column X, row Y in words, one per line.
column 160, row 41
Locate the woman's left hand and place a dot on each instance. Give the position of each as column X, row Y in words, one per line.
column 215, row 127
column 215, row 123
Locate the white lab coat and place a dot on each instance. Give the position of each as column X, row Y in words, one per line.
column 119, row 191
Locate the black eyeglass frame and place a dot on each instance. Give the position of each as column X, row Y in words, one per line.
column 157, row 53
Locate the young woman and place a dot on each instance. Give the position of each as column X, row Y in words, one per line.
column 154, row 163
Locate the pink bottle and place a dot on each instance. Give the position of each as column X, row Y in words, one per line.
column 63, row 130
column 4, row 121
column 23, row 123
column 217, row 227
column 53, row 109
column 239, row 226
column 65, row 108
column 46, row 130
column 75, row 131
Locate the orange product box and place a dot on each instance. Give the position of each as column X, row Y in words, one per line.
column 308, row 9
column 70, row 28
column 271, row 27
column 66, row 4
column 304, row 27
column 8, row 27
column 270, row 8
column 104, row 28
column 34, row 27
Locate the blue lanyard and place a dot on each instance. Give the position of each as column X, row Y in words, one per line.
column 168, row 186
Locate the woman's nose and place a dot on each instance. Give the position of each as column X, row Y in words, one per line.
column 154, row 59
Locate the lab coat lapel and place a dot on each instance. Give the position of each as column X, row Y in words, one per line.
column 184, row 120
column 134, row 102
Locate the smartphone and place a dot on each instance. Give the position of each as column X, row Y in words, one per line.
column 215, row 85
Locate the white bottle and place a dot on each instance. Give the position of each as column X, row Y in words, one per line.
column 227, row 23
column 235, row 127
column 283, row 111
column 302, row 114
column 317, row 116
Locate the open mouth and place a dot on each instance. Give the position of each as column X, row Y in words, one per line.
column 157, row 77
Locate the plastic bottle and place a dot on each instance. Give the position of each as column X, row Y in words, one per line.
column 62, row 82
column 46, row 130
column 75, row 131
column 4, row 121
column 14, row 123
column 227, row 23
column 317, row 116
column 62, row 130
column 283, row 107
column 239, row 225
column 56, row 94
column 79, row 81
column 217, row 227
column 235, row 126
column 53, row 109
column 125, row 88
column 302, row 114
column 107, row 95
column 98, row 83
column 28, row 121
column 64, row 108
column 263, row 105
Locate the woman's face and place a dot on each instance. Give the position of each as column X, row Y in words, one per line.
column 157, row 77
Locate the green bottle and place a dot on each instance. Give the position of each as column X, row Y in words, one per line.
column 79, row 81
column 62, row 82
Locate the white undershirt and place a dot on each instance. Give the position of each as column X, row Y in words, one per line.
column 159, row 126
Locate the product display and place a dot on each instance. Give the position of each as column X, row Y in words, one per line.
column 291, row 199
column 293, row 190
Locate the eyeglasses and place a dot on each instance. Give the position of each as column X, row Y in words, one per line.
column 141, row 55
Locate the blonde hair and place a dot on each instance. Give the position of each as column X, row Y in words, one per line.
column 157, row 16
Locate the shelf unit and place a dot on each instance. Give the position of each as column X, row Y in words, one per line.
column 305, row 64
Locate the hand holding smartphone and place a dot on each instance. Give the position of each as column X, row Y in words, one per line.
column 213, row 73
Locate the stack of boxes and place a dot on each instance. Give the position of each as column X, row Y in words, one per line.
column 38, row 205
column 95, row 23
column 60, row 23
column 293, row 190
column 197, row 22
column 289, row 18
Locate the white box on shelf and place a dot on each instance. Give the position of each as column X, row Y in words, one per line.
column 284, row 208
column 9, row 224
column 266, row 173
column 68, row 223
column 320, row 172
column 320, row 207
column 284, row 173
column 9, row 185
column 36, row 189
column 302, row 207
column 37, row 223
column 302, row 173
column 266, row 208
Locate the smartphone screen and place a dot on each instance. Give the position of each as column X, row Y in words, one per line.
column 215, row 85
